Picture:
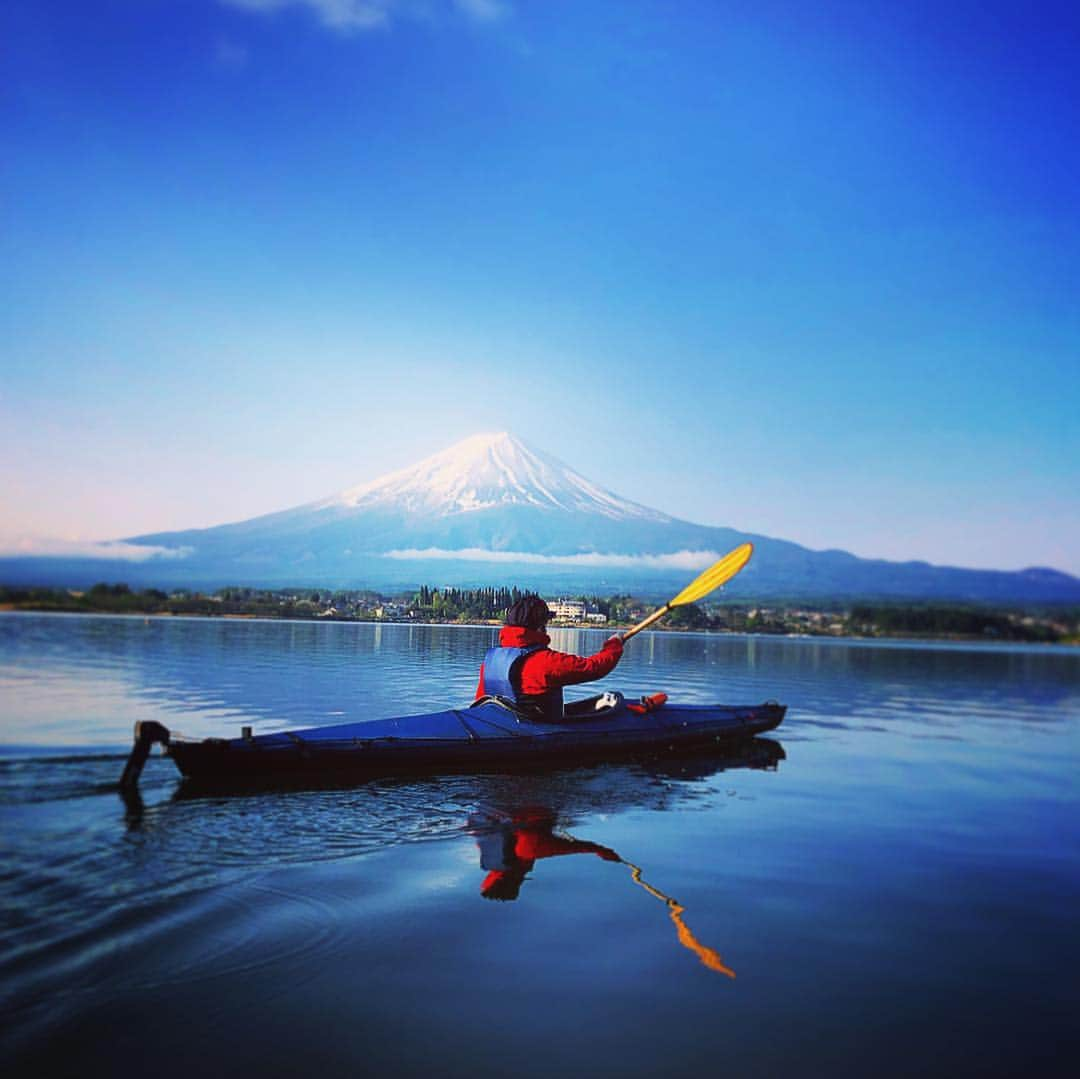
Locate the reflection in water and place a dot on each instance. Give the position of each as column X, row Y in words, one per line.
column 613, row 781
column 708, row 956
column 512, row 843
column 78, row 881
column 927, row 825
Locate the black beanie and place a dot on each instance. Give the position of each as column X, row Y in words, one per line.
column 530, row 612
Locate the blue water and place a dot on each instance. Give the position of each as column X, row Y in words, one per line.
column 887, row 886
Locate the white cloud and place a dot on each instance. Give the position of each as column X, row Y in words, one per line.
column 681, row 560
column 344, row 15
column 349, row 16
column 114, row 550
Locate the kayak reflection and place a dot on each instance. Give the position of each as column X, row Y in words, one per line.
column 511, row 844
column 200, row 828
column 612, row 784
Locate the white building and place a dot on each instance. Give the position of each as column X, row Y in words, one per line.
column 567, row 610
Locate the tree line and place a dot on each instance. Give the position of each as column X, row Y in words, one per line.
column 482, row 604
column 942, row 621
column 429, row 603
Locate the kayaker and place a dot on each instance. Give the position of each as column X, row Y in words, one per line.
column 524, row 669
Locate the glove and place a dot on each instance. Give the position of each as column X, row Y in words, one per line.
column 614, row 642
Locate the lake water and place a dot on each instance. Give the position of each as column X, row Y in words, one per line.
column 889, row 886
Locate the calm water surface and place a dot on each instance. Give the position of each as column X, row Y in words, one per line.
column 889, row 886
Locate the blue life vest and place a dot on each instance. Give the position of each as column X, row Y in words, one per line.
column 502, row 678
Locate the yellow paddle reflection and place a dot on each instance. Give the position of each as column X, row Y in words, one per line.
column 709, row 957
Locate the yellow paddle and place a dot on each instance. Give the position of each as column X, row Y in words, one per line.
column 716, row 575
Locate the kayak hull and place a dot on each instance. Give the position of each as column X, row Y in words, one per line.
column 484, row 736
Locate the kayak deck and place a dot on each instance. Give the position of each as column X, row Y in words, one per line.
column 490, row 732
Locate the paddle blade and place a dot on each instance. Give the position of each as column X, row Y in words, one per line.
column 716, row 575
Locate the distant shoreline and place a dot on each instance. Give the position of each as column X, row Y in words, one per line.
column 610, row 628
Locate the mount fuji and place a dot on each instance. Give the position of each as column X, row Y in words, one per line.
column 492, row 510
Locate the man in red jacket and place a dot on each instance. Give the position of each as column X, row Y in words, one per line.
column 526, row 671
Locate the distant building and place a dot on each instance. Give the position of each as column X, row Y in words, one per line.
column 567, row 610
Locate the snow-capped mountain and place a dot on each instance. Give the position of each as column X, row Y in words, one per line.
column 489, row 471
column 487, row 498
column 492, row 510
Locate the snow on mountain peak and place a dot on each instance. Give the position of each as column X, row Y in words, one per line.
column 486, row 471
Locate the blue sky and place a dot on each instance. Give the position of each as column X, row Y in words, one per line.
column 805, row 270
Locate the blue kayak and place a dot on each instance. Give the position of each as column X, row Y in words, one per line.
column 491, row 733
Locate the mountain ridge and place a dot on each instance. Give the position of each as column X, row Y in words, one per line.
column 490, row 509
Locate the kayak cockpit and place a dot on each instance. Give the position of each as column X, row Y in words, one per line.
column 595, row 707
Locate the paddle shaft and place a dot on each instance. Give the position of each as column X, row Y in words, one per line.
column 716, row 575
column 654, row 617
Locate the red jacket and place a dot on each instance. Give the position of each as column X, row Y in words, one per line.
column 546, row 670
column 530, row 845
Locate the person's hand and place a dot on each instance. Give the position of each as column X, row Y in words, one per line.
column 608, row 855
column 614, row 642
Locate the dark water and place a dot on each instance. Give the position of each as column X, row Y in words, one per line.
column 890, row 886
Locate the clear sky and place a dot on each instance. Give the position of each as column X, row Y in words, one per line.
column 810, row 270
